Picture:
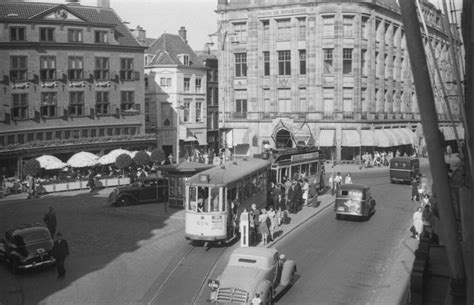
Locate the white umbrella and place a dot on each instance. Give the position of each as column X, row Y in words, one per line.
column 111, row 157
column 50, row 162
column 83, row 159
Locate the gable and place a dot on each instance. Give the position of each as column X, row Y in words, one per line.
column 63, row 14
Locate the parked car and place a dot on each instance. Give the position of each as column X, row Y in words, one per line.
column 253, row 272
column 27, row 247
column 354, row 200
column 152, row 190
column 404, row 169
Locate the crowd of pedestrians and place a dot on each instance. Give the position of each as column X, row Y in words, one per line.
column 424, row 216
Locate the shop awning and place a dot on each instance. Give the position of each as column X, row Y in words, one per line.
column 403, row 138
column 448, row 133
column 411, row 136
column 395, row 138
column 201, row 138
column 368, row 138
column 326, row 138
column 240, row 136
column 383, row 139
column 350, row 138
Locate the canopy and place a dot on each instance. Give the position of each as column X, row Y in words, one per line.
column 350, row 138
column 448, row 133
column 368, row 138
column 383, row 139
column 111, row 157
column 83, row 159
column 50, row 162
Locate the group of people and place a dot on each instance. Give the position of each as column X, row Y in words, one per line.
column 337, row 181
column 263, row 223
column 61, row 248
column 424, row 216
column 380, row 158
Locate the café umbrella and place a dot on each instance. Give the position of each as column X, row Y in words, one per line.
column 111, row 157
column 83, row 159
column 49, row 162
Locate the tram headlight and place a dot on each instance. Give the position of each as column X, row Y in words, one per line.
column 213, row 284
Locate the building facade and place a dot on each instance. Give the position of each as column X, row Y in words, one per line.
column 176, row 95
column 71, row 79
column 333, row 75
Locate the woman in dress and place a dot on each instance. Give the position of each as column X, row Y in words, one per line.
column 263, row 225
column 273, row 220
column 418, row 222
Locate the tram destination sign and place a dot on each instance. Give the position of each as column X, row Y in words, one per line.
column 306, row 156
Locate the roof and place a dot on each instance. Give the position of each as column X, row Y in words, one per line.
column 167, row 48
column 30, row 12
column 27, row 228
column 188, row 166
column 255, row 251
column 231, row 172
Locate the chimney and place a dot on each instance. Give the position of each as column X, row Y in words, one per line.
column 182, row 33
column 72, row 2
column 103, row 3
column 139, row 33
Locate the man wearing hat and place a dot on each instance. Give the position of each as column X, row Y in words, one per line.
column 60, row 252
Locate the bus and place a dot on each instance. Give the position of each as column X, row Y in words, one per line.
column 215, row 198
column 294, row 163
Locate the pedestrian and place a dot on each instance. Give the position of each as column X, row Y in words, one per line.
column 417, row 226
column 348, row 179
column 430, row 236
column 255, row 213
column 50, row 221
column 292, row 198
column 313, row 192
column 90, row 181
column 427, row 216
column 281, row 209
column 414, row 190
column 60, row 252
column 305, row 191
column 337, row 181
column 263, row 226
column 31, row 186
column 271, row 213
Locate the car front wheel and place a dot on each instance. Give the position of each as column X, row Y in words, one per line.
column 123, row 201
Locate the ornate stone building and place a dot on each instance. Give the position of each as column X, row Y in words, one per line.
column 325, row 73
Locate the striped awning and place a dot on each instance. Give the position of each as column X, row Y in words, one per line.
column 240, row 136
column 350, row 138
column 368, row 138
column 410, row 135
column 326, row 138
column 448, row 133
column 383, row 139
column 404, row 139
column 201, row 138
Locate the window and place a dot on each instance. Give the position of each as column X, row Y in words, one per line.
column 127, row 100
column 198, row 111
column 363, row 62
column 328, row 26
column 301, row 28
column 20, row 106
column 18, row 68
column 241, row 65
column 284, row 100
column 328, row 101
column 102, row 103
column 76, row 68
column 284, row 62
column 147, row 110
column 347, row 61
column 184, row 59
column 240, row 30
column 198, row 85
column 165, row 82
column 347, row 26
column 302, row 62
column 85, row 133
column 48, row 104
column 187, row 106
column 303, row 103
column 365, row 27
column 241, row 108
column 101, row 71
column 363, row 100
column 328, row 61
column 187, row 84
column 347, row 101
column 74, row 35
column 46, row 34
column 47, row 68
column 101, row 37
column 283, row 29
column 93, row 133
column 266, row 63
column 266, row 30
column 76, row 103
column 126, row 68
column 17, row 33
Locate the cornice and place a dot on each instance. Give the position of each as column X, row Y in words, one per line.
column 66, row 46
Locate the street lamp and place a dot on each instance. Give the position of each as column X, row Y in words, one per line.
column 178, row 108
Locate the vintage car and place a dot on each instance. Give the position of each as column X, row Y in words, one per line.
column 27, row 247
column 152, row 190
column 354, row 200
column 253, row 272
column 404, row 169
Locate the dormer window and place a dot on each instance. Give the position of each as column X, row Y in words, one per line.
column 184, row 59
column 101, row 37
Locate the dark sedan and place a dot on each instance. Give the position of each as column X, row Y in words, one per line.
column 152, row 190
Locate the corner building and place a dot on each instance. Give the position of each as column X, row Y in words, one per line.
column 331, row 74
column 71, row 79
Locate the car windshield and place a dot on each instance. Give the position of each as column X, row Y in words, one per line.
column 352, row 194
column 34, row 236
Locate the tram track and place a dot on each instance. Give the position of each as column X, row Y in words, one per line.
column 191, row 272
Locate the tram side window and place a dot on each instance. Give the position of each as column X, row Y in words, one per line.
column 203, row 194
column 284, row 173
column 215, row 199
column 313, row 168
column 192, row 199
column 304, row 170
column 295, row 171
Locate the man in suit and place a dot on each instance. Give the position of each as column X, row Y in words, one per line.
column 60, row 252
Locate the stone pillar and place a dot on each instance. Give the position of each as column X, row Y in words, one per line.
column 338, row 142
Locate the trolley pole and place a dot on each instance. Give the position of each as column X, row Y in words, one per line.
column 429, row 121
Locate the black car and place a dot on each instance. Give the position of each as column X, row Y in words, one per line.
column 27, row 247
column 152, row 190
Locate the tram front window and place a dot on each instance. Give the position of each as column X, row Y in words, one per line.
column 204, row 199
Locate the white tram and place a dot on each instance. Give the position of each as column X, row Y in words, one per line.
column 216, row 197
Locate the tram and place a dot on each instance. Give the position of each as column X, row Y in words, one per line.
column 216, row 197
column 298, row 162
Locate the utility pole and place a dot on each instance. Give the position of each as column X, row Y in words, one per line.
column 429, row 121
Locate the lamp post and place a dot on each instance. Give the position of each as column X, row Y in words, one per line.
column 178, row 108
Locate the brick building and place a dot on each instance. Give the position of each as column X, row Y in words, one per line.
column 71, row 79
column 331, row 74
